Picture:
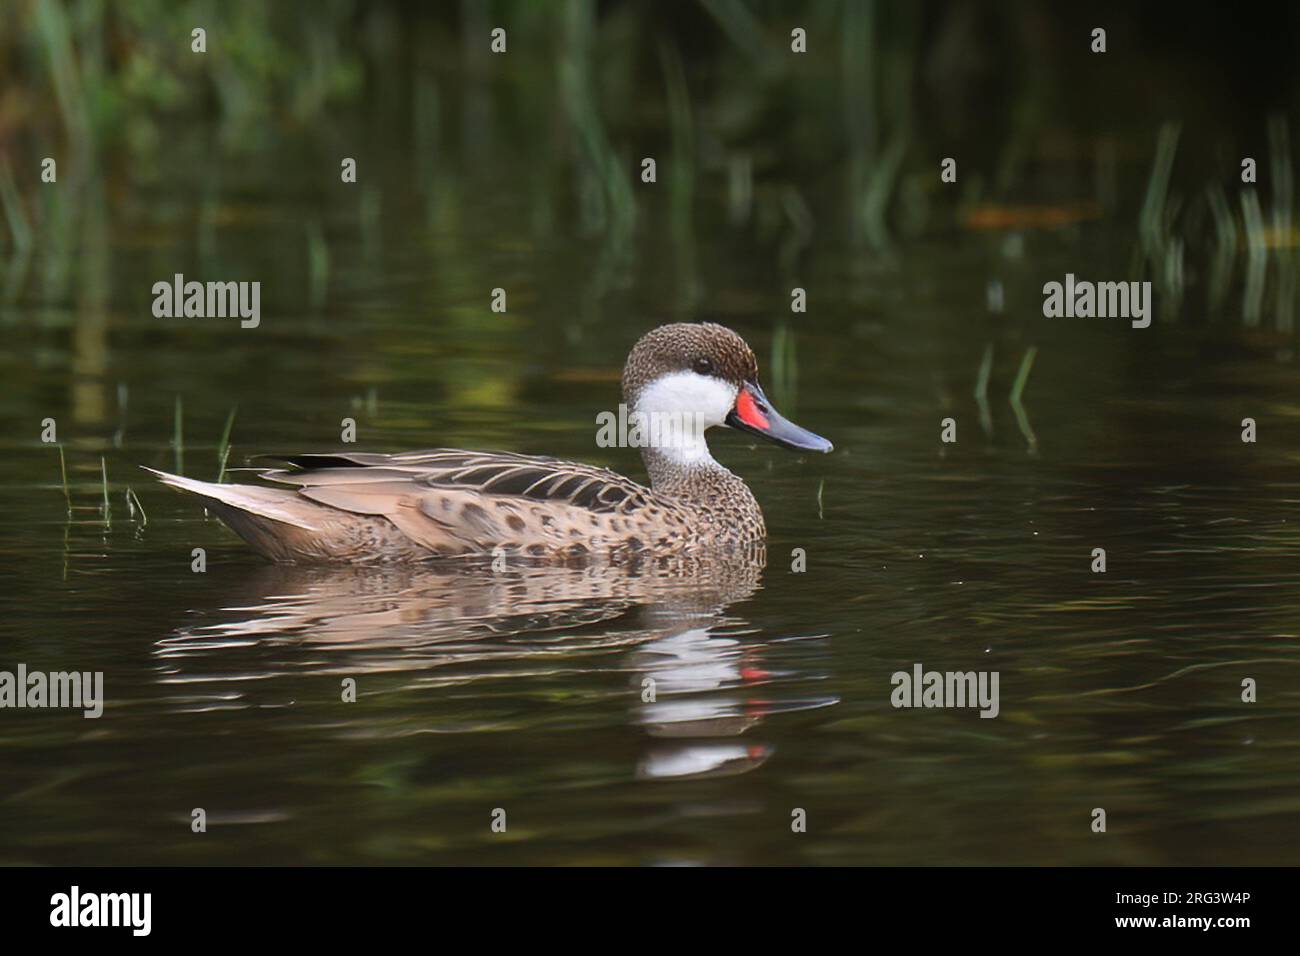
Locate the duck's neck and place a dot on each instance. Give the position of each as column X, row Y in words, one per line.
column 677, row 456
column 701, row 481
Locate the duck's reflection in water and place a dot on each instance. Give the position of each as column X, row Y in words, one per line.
column 697, row 680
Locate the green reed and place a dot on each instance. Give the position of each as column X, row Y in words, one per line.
column 223, row 447
column 1017, row 391
column 178, row 440
column 133, row 504
column 1256, row 259
column 63, row 473
column 106, row 507
column 982, row 390
column 1282, row 178
column 20, row 229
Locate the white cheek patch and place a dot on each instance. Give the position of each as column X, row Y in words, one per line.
column 675, row 410
column 689, row 392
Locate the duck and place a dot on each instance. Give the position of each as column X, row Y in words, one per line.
column 680, row 380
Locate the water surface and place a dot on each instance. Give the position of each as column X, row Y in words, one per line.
column 523, row 691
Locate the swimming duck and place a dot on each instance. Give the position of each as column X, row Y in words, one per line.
column 680, row 380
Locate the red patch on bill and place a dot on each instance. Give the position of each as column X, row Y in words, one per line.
column 748, row 411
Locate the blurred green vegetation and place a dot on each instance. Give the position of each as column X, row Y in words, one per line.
column 839, row 145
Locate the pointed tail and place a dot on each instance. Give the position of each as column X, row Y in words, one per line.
column 230, row 501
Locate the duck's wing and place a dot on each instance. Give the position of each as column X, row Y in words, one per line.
column 489, row 474
column 450, row 500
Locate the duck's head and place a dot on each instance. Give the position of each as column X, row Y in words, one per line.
column 708, row 372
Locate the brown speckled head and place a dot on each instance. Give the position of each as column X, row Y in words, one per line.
column 704, row 348
column 706, row 371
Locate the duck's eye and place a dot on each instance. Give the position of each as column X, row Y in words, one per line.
column 703, row 365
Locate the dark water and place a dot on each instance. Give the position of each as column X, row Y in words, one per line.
column 522, row 691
